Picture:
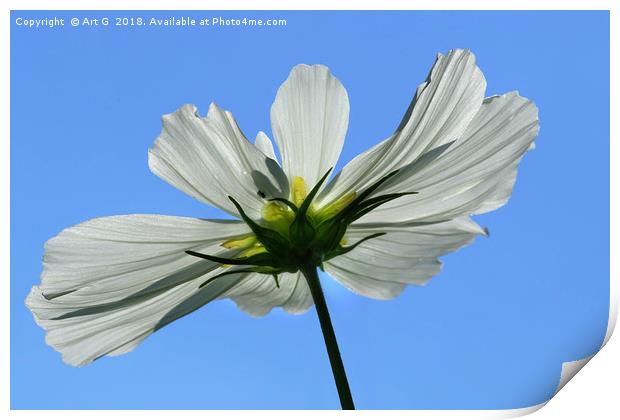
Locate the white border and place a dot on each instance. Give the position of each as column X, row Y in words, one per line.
column 593, row 395
column 307, row 5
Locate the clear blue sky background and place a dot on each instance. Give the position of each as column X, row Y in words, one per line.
column 490, row 331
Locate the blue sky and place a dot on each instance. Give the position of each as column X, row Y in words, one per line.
column 490, row 331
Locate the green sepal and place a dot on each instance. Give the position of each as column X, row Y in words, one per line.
column 263, row 259
column 263, row 270
column 355, row 204
column 329, row 234
column 371, row 204
column 341, row 250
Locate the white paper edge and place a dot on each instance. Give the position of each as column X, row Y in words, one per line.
column 569, row 368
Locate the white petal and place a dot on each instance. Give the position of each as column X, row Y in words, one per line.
column 82, row 337
column 127, row 250
column 309, row 120
column 381, row 267
column 109, row 282
column 441, row 110
column 475, row 174
column 265, row 145
column 300, row 300
column 258, row 294
column 210, row 159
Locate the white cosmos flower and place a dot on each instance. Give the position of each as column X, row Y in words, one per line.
column 110, row 282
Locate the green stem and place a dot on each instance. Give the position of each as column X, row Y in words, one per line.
column 344, row 392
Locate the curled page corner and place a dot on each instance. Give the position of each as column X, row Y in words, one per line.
column 570, row 369
column 518, row 412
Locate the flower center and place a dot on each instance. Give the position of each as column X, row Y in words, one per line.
column 293, row 234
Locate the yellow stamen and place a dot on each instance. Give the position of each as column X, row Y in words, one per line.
column 274, row 212
column 344, row 241
column 336, row 206
column 299, row 190
column 241, row 242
